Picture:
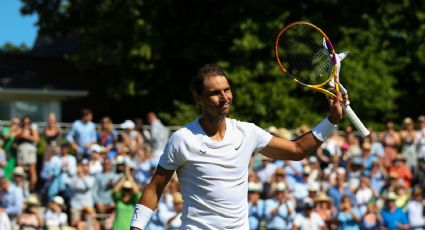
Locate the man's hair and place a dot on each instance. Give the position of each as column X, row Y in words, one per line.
column 85, row 111
column 197, row 84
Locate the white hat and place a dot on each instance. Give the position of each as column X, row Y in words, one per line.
column 95, row 148
column 313, row 187
column 32, row 199
column 127, row 184
column 58, row 200
column 280, row 187
column 19, row 171
column 119, row 160
column 391, row 196
column 127, row 124
column 254, row 187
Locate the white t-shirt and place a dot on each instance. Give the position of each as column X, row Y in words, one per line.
column 415, row 213
column 213, row 175
column 312, row 223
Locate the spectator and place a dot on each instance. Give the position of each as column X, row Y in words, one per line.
column 55, row 217
column 419, row 174
column 81, row 186
column 31, row 217
column 348, row 216
column 402, row 170
column 19, row 181
column 255, row 205
column 367, row 158
column 420, row 137
column 280, row 177
column 408, row 139
column 280, row 210
column 125, row 194
column 266, row 170
column 174, row 217
column 159, row 136
column 338, row 188
column 415, row 210
column 372, row 219
column 8, row 135
column 27, row 140
column 365, row 194
column 139, row 127
column 104, row 183
column 143, row 165
column 52, row 133
column 11, row 198
column 393, row 217
column 324, row 209
column 95, row 161
column 107, row 136
column 391, row 141
column 308, row 219
column 131, row 139
column 82, row 134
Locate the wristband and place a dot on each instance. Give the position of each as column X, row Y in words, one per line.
column 324, row 129
column 141, row 216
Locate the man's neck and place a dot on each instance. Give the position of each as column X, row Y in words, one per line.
column 214, row 127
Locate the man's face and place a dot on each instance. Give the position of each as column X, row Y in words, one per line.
column 216, row 97
column 87, row 117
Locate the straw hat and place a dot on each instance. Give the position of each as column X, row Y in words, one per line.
column 279, row 171
column 32, row 199
column 322, row 197
column 391, row 196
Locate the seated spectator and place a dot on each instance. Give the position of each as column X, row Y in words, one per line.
column 324, row 208
column 104, row 183
column 372, row 219
column 415, row 210
column 55, row 217
column 174, row 217
column 125, row 195
column 364, row 194
column 393, row 217
column 31, row 217
column 81, row 186
column 255, row 205
column 107, row 136
column 131, row 139
column 280, row 210
column 19, row 180
column 143, row 165
column 348, row 216
column 87, row 220
column 402, row 170
column 11, row 198
column 308, row 219
column 95, row 160
column 377, row 178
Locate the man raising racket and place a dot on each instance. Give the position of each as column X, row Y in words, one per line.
column 211, row 157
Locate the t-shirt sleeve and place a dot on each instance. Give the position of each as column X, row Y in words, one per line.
column 263, row 137
column 172, row 157
column 298, row 220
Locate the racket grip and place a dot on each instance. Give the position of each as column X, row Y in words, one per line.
column 355, row 120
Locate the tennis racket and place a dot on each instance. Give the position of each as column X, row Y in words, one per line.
column 306, row 55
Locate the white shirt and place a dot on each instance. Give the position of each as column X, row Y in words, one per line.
column 415, row 213
column 213, row 175
column 312, row 223
column 55, row 219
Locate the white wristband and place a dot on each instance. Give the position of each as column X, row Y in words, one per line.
column 141, row 216
column 324, row 129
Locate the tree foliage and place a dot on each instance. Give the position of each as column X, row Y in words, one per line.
column 149, row 49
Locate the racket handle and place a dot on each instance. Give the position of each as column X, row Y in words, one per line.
column 355, row 120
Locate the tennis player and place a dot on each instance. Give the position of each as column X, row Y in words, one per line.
column 211, row 157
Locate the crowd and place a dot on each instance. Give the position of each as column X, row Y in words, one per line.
column 91, row 176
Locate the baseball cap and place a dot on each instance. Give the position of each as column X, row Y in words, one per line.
column 127, row 124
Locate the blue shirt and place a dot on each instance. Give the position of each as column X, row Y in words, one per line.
column 12, row 200
column 256, row 214
column 346, row 221
column 391, row 219
column 82, row 134
column 282, row 220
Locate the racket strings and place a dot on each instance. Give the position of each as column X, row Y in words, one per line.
column 305, row 56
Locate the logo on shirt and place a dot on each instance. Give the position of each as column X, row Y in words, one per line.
column 236, row 148
column 203, row 152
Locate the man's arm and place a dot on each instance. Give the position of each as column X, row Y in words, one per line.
column 279, row 148
column 152, row 192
